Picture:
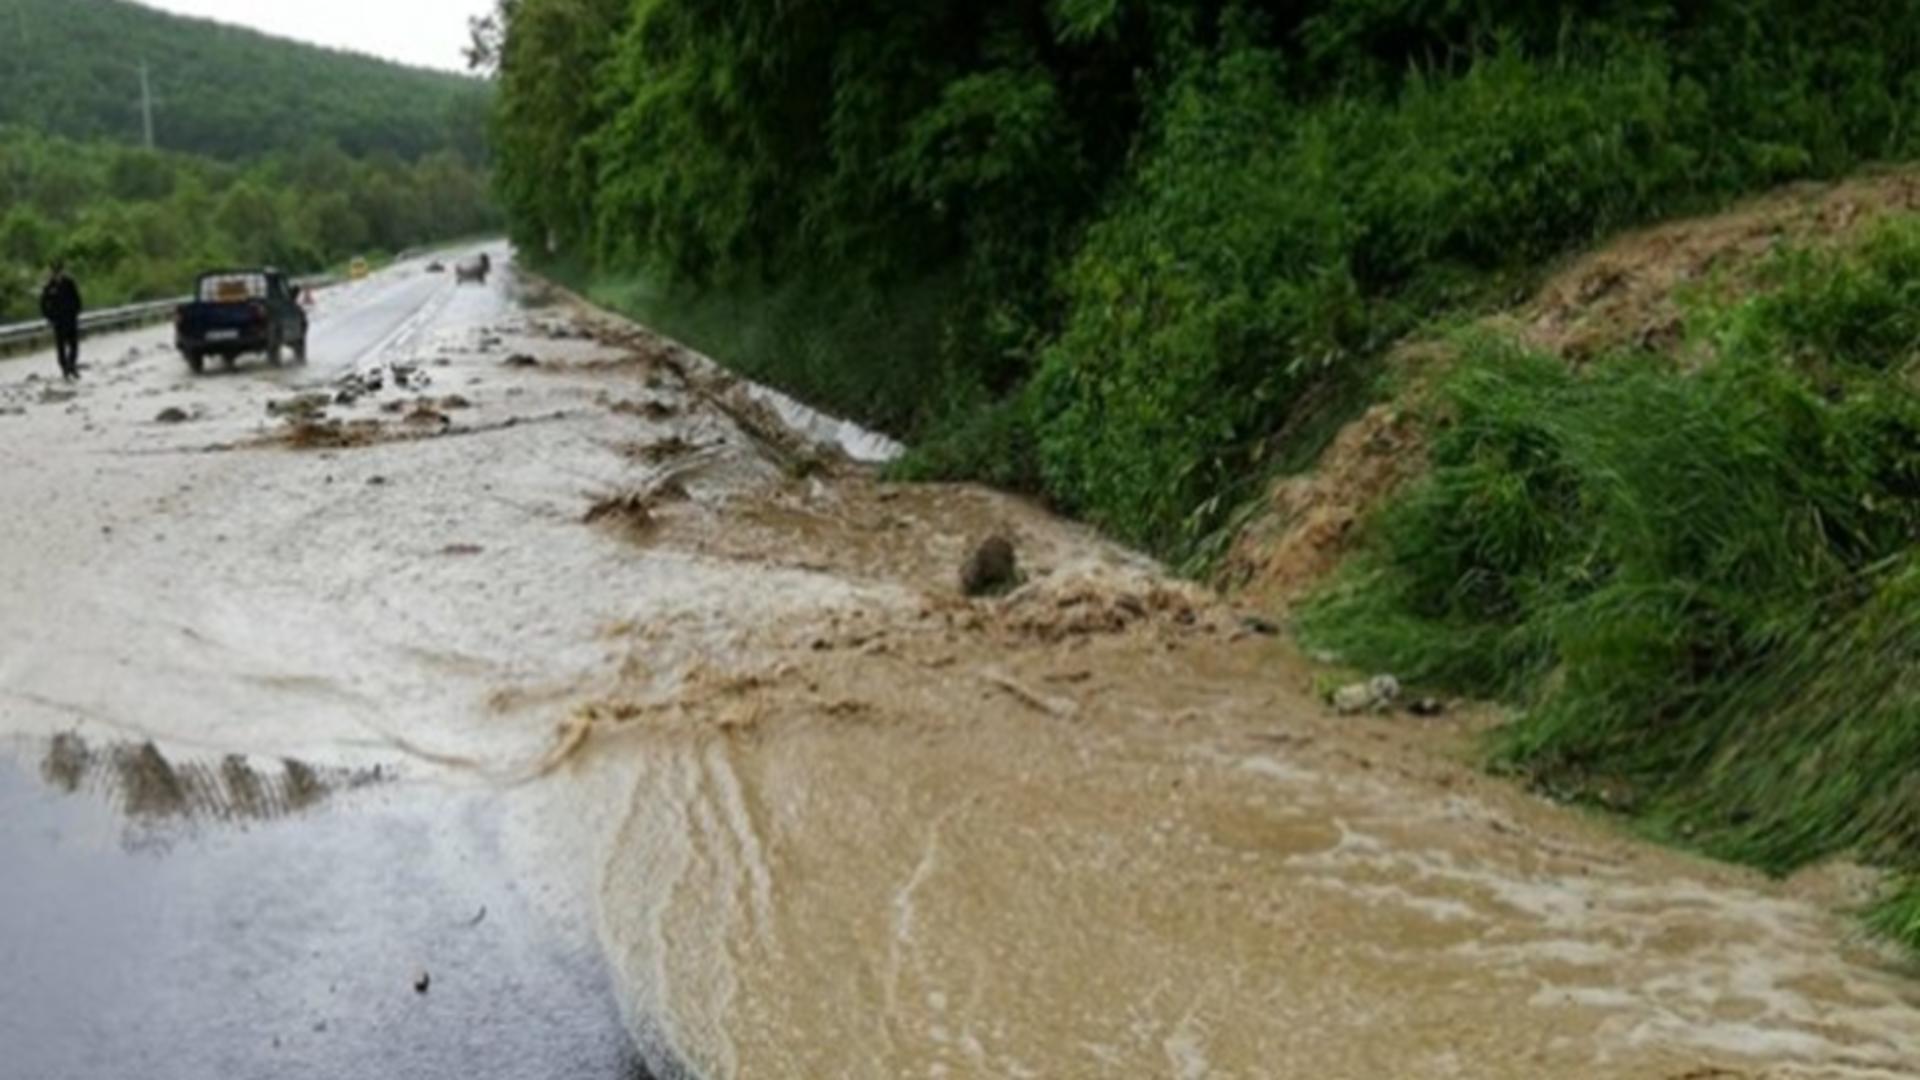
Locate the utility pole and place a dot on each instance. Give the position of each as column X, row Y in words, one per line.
column 146, row 103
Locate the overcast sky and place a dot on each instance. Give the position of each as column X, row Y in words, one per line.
column 426, row 33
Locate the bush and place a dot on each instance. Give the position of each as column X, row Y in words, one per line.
column 1701, row 588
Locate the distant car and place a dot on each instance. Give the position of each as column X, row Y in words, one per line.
column 358, row 268
column 475, row 270
column 235, row 312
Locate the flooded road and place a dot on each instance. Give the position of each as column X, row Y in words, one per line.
column 171, row 919
column 714, row 697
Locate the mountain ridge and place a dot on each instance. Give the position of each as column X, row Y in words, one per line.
column 79, row 78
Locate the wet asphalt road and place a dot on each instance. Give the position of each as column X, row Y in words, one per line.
column 187, row 947
column 163, row 917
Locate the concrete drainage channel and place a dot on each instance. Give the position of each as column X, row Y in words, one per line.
column 161, row 916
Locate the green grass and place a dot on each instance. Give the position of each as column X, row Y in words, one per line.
column 1700, row 589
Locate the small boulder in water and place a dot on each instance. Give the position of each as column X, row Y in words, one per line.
column 991, row 569
column 172, row 414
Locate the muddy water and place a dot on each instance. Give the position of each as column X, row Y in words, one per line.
column 1118, row 861
column 825, row 817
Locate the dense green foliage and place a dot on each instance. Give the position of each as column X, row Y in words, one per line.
column 72, row 69
column 138, row 225
column 1109, row 247
column 1702, row 587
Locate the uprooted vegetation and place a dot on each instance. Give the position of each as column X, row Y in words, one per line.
column 1697, row 580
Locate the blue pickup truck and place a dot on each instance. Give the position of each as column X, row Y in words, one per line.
column 235, row 312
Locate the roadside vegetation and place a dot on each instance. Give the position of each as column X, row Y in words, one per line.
column 135, row 225
column 1698, row 583
column 1137, row 254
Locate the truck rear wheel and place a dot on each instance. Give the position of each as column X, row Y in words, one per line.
column 274, row 349
column 195, row 362
column 300, row 350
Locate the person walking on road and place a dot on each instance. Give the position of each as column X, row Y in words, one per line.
column 60, row 303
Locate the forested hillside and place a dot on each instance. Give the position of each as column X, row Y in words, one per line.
column 72, row 69
column 136, row 225
column 1136, row 253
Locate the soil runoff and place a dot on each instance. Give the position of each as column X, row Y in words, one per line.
column 826, row 815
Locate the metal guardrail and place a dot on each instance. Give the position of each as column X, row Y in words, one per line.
column 23, row 336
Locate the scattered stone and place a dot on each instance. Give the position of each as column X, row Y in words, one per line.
column 422, row 983
column 408, row 375
column 309, row 406
column 455, row 401
column 1427, row 707
column 1374, row 695
column 1260, row 625
column 462, row 549
column 172, row 414
column 376, row 481
column 424, row 413
column 992, row 569
column 521, row 360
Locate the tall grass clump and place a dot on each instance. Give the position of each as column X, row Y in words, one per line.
column 1701, row 588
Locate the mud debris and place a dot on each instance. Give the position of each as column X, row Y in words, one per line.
column 661, row 451
column 172, row 414
column 308, row 433
column 424, row 414
column 632, row 510
column 652, row 409
column 1056, row 610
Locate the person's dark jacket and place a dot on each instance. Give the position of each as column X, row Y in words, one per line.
column 60, row 301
